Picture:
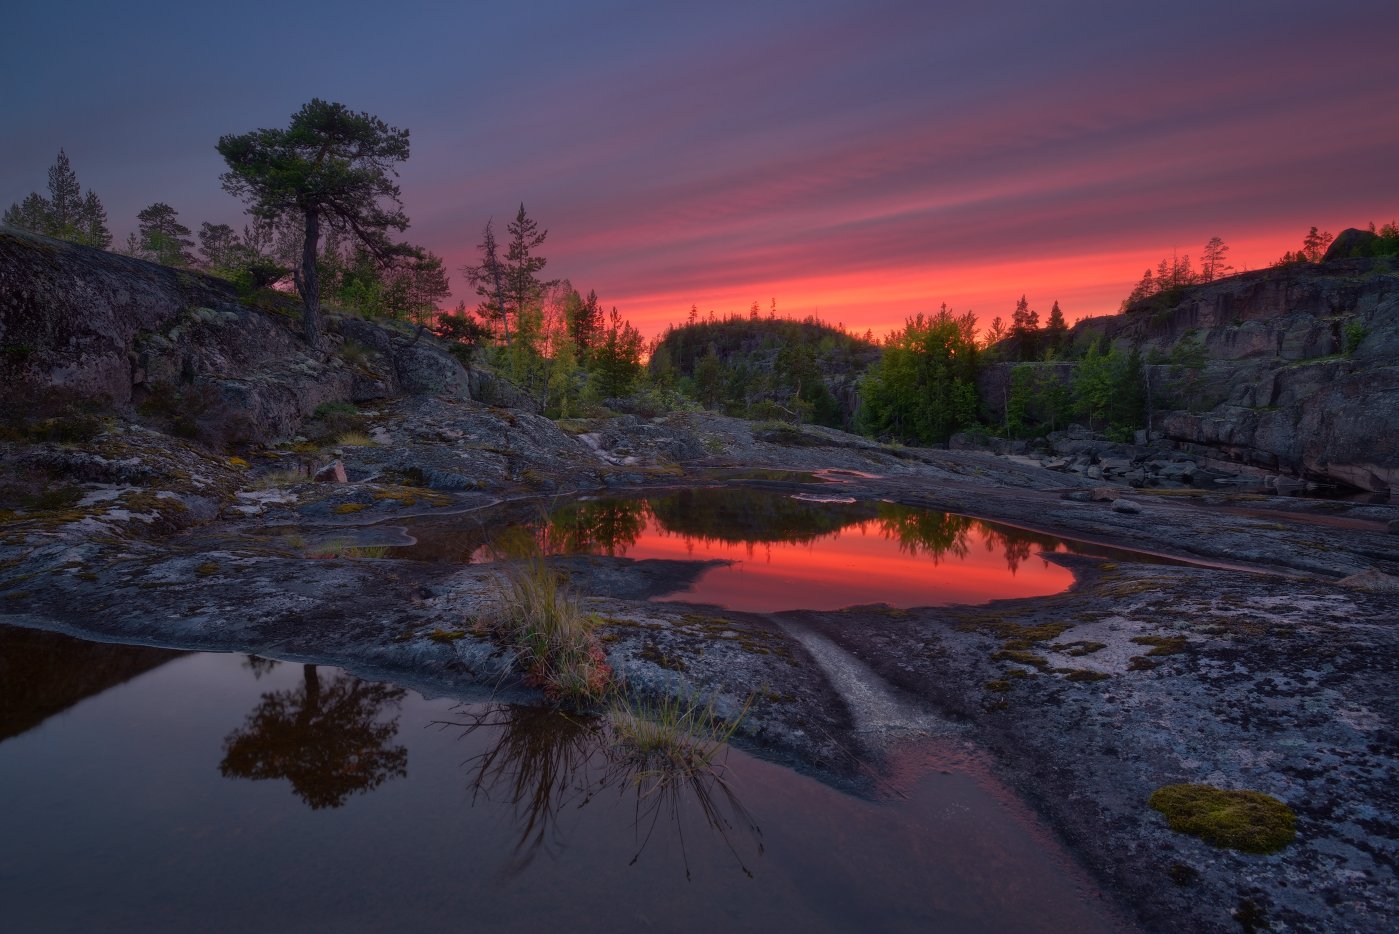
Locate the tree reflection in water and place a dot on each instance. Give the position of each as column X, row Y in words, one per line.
column 730, row 516
column 548, row 763
column 329, row 740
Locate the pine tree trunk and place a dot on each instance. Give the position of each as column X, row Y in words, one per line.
column 310, row 283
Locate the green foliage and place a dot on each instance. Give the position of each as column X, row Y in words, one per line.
column 1242, row 820
column 924, row 387
column 1109, row 389
column 614, row 362
column 66, row 213
column 330, row 165
column 161, row 237
column 1353, row 336
column 759, row 367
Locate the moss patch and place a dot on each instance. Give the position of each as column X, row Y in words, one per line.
column 1163, row 645
column 1086, row 674
column 345, row 509
column 1242, row 820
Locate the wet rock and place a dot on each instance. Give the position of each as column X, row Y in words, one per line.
column 1125, row 506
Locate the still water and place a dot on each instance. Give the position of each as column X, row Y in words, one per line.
column 776, row 551
column 147, row 790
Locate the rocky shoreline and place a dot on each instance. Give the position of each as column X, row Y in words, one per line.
column 1262, row 658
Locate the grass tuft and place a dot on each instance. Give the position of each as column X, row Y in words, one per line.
column 355, row 439
column 555, row 639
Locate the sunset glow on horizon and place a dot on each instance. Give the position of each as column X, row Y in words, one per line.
column 863, row 162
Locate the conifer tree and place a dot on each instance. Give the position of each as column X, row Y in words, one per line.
column 161, row 238
column 329, row 166
column 1056, row 330
column 1213, row 264
column 67, row 213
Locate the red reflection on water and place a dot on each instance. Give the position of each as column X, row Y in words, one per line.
column 861, row 563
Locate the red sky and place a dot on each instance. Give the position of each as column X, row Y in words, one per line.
column 869, row 160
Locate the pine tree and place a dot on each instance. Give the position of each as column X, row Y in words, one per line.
column 1025, row 328
column 219, row 248
column 67, row 213
column 65, row 199
column 330, row 166
column 1056, row 330
column 1314, row 245
column 488, row 279
column 161, row 238
column 92, row 227
column 1213, row 264
column 523, row 287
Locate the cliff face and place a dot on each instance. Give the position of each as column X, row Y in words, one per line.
column 90, row 325
column 1294, row 369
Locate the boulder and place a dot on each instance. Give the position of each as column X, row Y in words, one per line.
column 1350, row 242
column 1125, row 506
column 334, row 472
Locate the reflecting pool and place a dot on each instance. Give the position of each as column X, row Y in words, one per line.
column 778, row 551
column 147, row 790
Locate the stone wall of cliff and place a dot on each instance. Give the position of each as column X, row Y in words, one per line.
column 91, row 325
column 1296, row 369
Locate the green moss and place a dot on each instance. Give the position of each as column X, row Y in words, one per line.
column 998, row 686
column 1140, row 663
column 207, row 569
column 446, row 635
column 1163, row 645
column 1086, row 674
column 1020, row 657
column 1242, row 820
column 1077, row 649
column 345, row 509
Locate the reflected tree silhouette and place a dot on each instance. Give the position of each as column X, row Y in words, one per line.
column 741, row 516
column 259, row 666
column 547, row 763
column 329, row 741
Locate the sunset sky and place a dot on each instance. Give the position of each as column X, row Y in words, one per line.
column 865, row 159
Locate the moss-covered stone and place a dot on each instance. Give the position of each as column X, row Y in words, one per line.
column 1250, row 821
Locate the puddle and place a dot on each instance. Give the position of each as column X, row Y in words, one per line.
column 779, row 551
column 196, row 791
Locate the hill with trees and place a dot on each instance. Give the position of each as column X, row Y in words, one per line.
column 766, row 367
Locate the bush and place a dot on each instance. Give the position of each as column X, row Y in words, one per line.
column 1353, row 336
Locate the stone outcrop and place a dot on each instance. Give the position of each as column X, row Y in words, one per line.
column 85, row 324
column 1293, row 369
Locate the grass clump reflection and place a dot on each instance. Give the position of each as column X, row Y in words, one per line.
column 673, row 732
column 665, row 757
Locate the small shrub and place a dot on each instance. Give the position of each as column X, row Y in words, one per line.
column 1242, row 820
column 1353, row 336
column 329, row 409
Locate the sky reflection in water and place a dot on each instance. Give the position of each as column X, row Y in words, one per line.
column 129, row 808
column 786, row 553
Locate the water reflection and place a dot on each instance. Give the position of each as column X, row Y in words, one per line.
column 737, row 516
column 329, row 740
column 548, row 764
column 45, row 673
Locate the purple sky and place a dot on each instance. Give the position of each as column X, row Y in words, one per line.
column 867, row 159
